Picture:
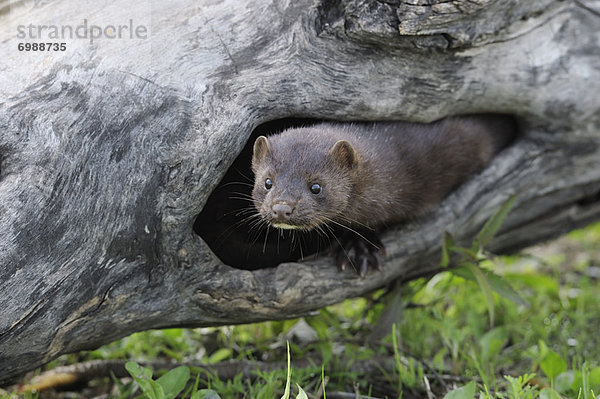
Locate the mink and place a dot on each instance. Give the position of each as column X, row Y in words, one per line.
column 365, row 176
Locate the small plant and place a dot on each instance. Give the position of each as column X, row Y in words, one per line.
column 26, row 395
column 465, row 392
column 551, row 364
column 166, row 387
column 407, row 373
column 170, row 385
column 519, row 387
column 470, row 259
column 286, row 394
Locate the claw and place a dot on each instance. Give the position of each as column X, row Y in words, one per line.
column 377, row 259
column 344, row 263
column 364, row 266
column 359, row 252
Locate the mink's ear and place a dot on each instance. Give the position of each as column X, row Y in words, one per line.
column 344, row 154
column 262, row 147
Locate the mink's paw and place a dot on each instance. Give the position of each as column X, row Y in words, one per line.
column 359, row 252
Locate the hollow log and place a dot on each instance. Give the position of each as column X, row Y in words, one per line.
column 110, row 149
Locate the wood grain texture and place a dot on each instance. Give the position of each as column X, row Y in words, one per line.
column 109, row 150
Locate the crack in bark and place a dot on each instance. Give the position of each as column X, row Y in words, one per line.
column 584, row 6
column 35, row 307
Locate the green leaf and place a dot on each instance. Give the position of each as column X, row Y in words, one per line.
column 286, row 394
column 301, row 393
column 504, row 289
column 465, row 392
column 491, row 343
column 325, row 345
column 205, row 394
column 497, row 283
column 439, row 359
column 519, row 387
column 485, row 287
column 471, row 255
column 549, row 393
column 564, row 381
column 543, row 349
column 493, row 224
column 542, row 284
column 595, row 379
column 138, row 371
column 174, row 381
column 320, row 325
column 143, row 376
column 220, row 355
column 447, row 243
column 577, row 384
column 552, row 364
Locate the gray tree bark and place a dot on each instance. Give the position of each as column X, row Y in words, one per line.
column 110, row 149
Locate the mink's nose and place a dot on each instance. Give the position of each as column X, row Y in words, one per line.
column 281, row 211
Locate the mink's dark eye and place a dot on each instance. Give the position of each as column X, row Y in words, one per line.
column 268, row 183
column 315, row 188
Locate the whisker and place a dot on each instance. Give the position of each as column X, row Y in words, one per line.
column 264, row 250
column 225, row 234
column 300, row 247
column 240, row 199
column 241, row 183
column 242, row 173
column 242, row 193
column 352, row 230
column 351, row 221
column 241, row 212
column 346, row 254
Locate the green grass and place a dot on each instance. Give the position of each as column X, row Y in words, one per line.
column 549, row 349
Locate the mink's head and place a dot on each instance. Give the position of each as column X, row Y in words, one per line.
column 301, row 180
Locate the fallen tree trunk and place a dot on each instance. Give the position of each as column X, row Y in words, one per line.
column 110, row 149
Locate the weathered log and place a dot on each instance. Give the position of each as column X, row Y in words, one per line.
column 110, row 149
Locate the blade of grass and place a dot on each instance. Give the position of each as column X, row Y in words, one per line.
column 492, row 226
column 486, row 289
column 447, row 243
column 286, row 394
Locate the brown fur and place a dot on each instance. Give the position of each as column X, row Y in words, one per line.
column 370, row 174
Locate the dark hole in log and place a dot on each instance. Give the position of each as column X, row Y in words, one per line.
column 226, row 222
column 590, row 200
